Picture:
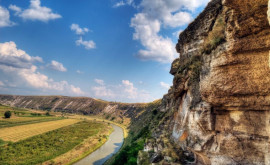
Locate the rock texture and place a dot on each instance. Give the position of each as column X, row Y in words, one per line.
column 220, row 98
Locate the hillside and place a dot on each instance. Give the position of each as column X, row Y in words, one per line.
column 119, row 112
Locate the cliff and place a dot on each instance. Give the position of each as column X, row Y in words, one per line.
column 219, row 105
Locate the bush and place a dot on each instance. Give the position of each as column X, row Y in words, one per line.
column 155, row 111
column 7, row 114
column 47, row 113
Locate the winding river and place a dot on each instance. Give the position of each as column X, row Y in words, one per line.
column 106, row 151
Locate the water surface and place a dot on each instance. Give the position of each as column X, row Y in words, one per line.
column 106, row 151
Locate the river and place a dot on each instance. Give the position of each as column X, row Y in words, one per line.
column 107, row 150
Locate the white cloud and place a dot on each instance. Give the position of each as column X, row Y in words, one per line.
column 15, row 8
column 57, row 66
column 87, row 44
column 103, row 92
column 78, row 30
column 129, row 89
column 79, row 72
column 118, row 4
column 81, row 31
column 123, row 3
column 76, row 90
column 157, row 47
column 17, row 58
column 164, row 85
column 35, row 12
column 5, row 18
column 125, row 91
column 156, row 15
column 99, row 81
column 20, row 66
column 1, row 84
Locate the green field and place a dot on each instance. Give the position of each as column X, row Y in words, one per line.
column 40, row 148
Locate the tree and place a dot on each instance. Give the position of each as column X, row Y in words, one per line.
column 7, row 114
column 47, row 113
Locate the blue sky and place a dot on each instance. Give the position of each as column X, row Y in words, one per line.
column 108, row 49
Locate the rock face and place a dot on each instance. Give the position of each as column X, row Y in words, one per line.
column 221, row 89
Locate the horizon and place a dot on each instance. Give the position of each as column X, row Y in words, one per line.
column 118, row 51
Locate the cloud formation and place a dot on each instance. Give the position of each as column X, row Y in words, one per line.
column 16, row 58
column 121, row 92
column 164, row 85
column 90, row 44
column 78, row 30
column 57, row 66
column 87, row 44
column 99, row 81
column 5, row 18
column 155, row 15
column 17, row 64
column 124, row 3
column 35, row 12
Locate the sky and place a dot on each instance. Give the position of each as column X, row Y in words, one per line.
column 115, row 50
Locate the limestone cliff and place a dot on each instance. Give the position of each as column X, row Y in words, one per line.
column 219, row 104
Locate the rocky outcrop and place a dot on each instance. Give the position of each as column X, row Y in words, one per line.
column 220, row 98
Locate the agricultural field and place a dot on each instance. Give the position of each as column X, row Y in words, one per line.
column 44, row 147
column 34, row 137
column 23, row 116
column 21, row 132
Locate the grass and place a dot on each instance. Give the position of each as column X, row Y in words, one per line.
column 25, row 131
column 47, row 146
column 215, row 37
column 128, row 155
column 2, row 142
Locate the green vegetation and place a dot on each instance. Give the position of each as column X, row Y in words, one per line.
column 191, row 66
column 215, row 37
column 128, row 155
column 7, row 114
column 47, row 146
column 47, row 113
column 2, row 142
column 16, row 122
column 139, row 131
